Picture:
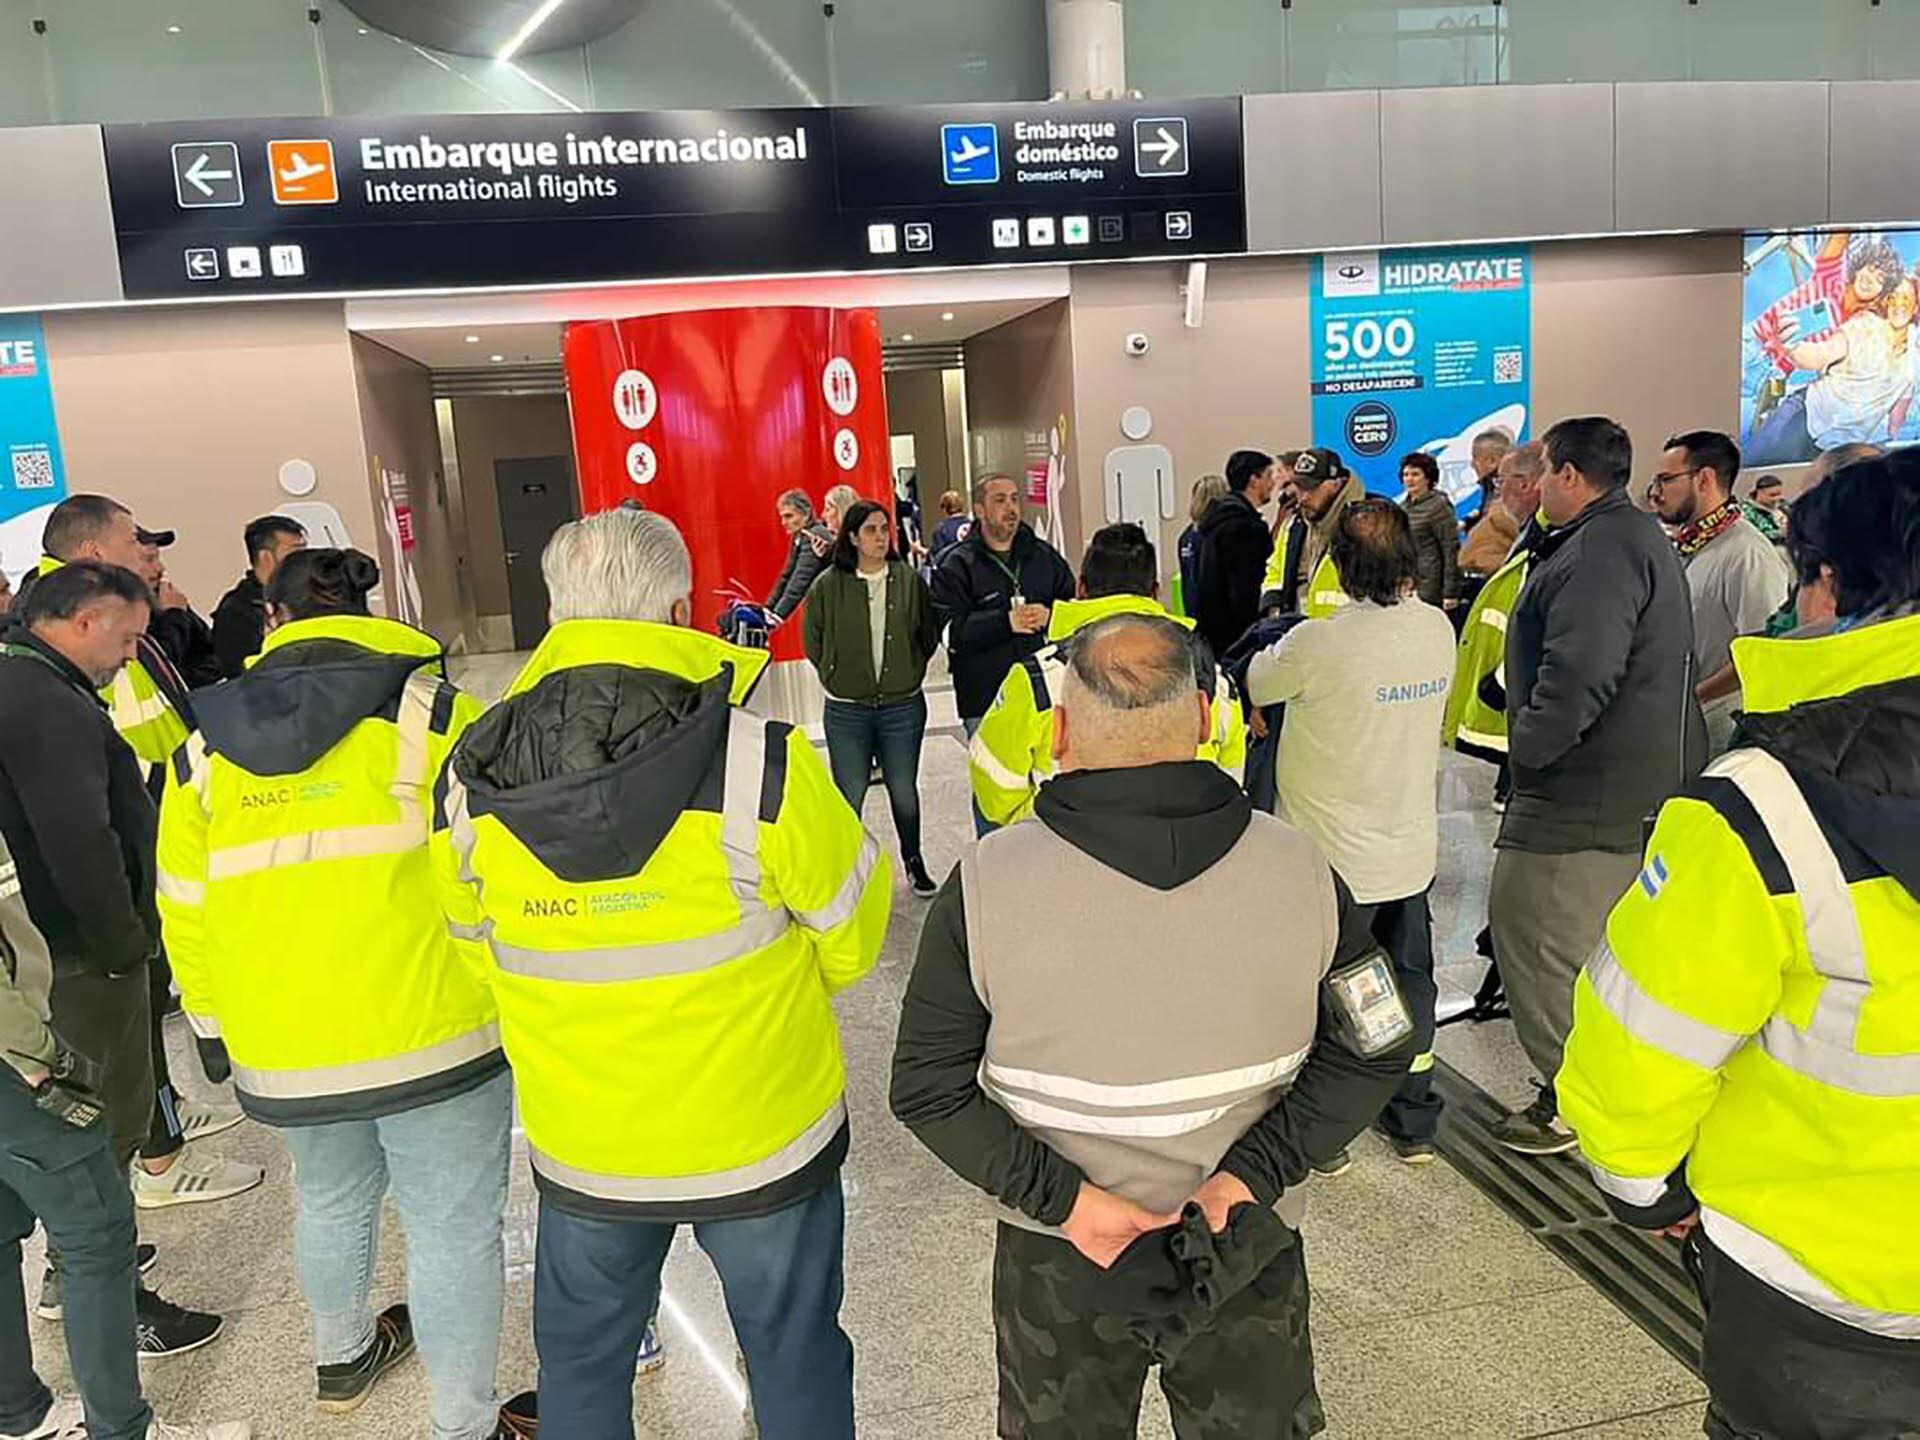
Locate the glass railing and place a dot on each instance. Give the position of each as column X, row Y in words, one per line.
column 125, row 60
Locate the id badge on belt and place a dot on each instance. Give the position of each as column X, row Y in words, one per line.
column 1368, row 1004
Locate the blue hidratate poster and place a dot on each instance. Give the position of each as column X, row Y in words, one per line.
column 1420, row 350
column 1827, row 356
column 33, row 479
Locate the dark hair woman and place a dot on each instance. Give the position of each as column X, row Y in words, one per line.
column 311, row 583
column 1436, row 529
column 300, row 910
column 870, row 630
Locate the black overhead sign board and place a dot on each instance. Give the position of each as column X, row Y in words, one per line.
column 266, row 207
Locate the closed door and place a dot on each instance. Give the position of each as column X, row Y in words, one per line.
column 536, row 499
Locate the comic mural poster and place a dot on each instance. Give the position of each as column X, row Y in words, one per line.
column 1828, row 354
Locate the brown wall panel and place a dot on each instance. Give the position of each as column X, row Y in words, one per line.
column 187, row 415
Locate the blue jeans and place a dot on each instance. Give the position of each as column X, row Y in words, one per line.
column 71, row 1181
column 447, row 1163
column 1263, row 762
column 597, row 1280
column 858, row 735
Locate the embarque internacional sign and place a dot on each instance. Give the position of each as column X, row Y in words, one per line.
column 207, row 209
column 1420, row 350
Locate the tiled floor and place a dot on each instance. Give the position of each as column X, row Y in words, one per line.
column 1434, row 1315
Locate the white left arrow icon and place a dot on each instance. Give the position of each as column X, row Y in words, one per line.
column 1166, row 145
column 197, row 174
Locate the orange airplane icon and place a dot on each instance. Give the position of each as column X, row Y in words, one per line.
column 303, row 172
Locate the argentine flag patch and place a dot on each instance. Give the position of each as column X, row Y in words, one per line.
column 1653, row 879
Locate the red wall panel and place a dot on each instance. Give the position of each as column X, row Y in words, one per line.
column 707, row 416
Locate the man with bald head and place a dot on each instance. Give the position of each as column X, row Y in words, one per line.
column 1105, row 1029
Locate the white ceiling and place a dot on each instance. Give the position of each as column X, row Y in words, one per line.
column 523, row 327
column 538, row 342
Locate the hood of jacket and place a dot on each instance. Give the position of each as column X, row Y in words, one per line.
column 1072, row 615
column 602, row 742
column 313, row 681
column 1161, row 825
column 1231, row 510
column 1842, row 712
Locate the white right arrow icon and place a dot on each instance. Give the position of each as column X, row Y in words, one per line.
column 1165, row 147
column 198, row 174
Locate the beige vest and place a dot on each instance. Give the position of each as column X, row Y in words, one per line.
column 1141, row 1032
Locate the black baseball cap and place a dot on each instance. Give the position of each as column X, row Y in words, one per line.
column 1314, row 467
column 159, row 539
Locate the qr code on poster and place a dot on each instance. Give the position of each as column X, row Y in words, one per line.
column 1507, row 366
column 33, row 469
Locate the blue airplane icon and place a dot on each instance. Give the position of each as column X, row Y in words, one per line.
column 970, row 154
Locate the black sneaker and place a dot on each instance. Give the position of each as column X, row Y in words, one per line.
column 49, row 1307
column 520, row 1417
column 163, row 1329
column 1538, row 1129
column 1409, row 1152
column 917, row 877
column 346, row 1387
column 1334, row 1165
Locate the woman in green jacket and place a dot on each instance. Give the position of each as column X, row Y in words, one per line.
column 870, row 630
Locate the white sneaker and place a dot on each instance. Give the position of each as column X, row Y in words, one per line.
column 218, row 1430
column 198, row 1121
column 65, row 1421
column 193, row 1179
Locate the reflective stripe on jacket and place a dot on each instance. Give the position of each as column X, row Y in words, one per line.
column 1754, row 1012
column 1473, row 726
column 141, row 711
column 664, row 930
column 1011, row 754
column 296, row 892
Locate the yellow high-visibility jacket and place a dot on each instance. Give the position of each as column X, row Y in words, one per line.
column 1753, row 1016
column 665, row 892
column 1011, row 754
column 141, row 711
column 1323, row 594
column 296, row 892
column 1473, row 726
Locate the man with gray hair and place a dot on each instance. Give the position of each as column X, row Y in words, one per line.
column 1490, row 447
column 806, row 542
column 1105, row 1090
column 667, row 891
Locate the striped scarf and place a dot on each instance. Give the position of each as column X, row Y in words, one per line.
column 1705, row 529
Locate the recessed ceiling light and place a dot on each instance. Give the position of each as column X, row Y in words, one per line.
column 473, row 339
column 906, row 339
column 173, row 29
column 363, row 29
column 946, row 315
column 498, row 359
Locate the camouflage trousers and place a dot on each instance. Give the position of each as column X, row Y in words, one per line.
column 1069, row 1369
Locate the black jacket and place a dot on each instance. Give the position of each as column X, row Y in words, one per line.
column 1602, row 722
column 800, row 571
column 973, row 589
column 239, row 626
column 1436, row 546
column 1161, row 825
column 1235, row 545
column 76, row 814
column 187, row 642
